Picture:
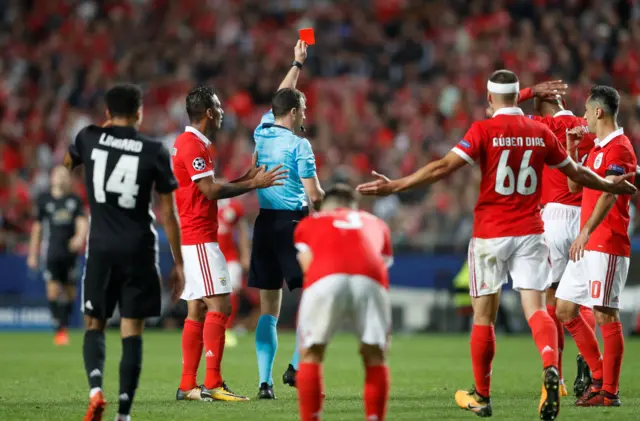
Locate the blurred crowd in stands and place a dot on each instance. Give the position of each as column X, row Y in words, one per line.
column 390, row 84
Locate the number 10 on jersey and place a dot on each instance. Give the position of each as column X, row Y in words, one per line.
column 506, row 180
column 122, row 180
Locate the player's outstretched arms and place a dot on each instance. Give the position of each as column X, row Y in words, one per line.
column 262, row 179
column 428, row 174
column 617, row 184
column 172, row 229
column 313, row 190
column 300, row 55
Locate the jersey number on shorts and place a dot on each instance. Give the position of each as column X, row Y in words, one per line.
column 353, row 222
column 122, row 180
column 596, row 288
column 506, row 179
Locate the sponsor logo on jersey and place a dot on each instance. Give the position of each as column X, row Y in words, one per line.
column 199, row 164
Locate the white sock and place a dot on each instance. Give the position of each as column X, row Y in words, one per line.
column 121, row 417
column 93, row 391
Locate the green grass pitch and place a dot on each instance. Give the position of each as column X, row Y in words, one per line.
column 41, row 382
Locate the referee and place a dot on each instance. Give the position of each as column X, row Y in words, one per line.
column 273, row 254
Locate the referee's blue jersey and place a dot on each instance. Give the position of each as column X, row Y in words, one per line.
column 278, row 145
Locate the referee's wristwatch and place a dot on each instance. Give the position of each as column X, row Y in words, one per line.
column 297, row 64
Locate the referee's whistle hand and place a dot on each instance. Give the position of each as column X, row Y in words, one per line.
column 273, row 177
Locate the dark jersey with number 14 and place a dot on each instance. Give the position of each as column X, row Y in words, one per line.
column 121, row 166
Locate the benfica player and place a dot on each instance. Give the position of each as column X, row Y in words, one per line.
column 561, row 216
column 600, row 255
column 508, row 229
column 344, row 254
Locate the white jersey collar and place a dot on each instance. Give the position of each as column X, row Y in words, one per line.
column 197, row 132
column 509, row 111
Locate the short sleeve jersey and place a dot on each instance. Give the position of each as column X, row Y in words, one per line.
column 57, row 215
column 121, row 168
column 555, row 188
column 345, row 241
column 230, row 211
column 192, row 161
column 612, row 156
column 278, row 145
column 512, row 151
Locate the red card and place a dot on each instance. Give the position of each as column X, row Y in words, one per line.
column 307, row 35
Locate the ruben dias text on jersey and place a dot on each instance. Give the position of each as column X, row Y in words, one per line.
column 518, row 141
column 128, row 145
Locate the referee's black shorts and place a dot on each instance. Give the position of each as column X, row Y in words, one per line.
column 273, row 254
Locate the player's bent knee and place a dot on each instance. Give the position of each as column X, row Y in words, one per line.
column 91, row 323
column 131, row 327
column 606, row 315
column 566, row 310
column 219, row 304
column 551, row 296
column 313, row 354
column 196, row 310
column 372, row 355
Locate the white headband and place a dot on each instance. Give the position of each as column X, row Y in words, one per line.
column 503, row 88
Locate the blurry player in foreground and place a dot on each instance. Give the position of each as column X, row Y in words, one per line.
column 122, row 168
column 207, row 282
column 599, row 263
column 231, row 220
column 508, row 229
column 61, row 221
column 344, row 254
column 561, row 216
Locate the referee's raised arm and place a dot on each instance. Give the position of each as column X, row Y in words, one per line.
column 273, row 254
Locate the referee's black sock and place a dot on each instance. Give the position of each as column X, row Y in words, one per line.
column 54, row 307
column 130, row 366
column 93, row 351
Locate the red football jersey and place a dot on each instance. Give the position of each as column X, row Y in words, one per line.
column 191, row 161
column 229, row 213
column 512, row 150
column 612, row 156
column 345, row 241
column 555, row 188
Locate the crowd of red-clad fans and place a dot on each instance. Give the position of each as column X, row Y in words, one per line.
column 390, row 84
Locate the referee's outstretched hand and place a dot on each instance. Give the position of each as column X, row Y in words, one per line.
column 273, row 177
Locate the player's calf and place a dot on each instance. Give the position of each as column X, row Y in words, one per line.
column 310, row 383
column 376, row 382
column 130, row 364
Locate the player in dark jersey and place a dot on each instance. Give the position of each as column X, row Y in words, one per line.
column 122, row 167
column 57, row 235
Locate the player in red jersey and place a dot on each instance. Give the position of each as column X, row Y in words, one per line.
column 344, row 254
column 600, row 255
column 508, row 229
column 561, row 217
column 231, row 220
column 207, row 282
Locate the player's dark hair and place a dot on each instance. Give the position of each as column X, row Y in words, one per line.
column 199, row 100
column 286, row 99
column 607, row 97
column 123, row 100
column 504, row 76
column 342, row 194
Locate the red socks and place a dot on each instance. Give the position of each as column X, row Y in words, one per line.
column 613, row 351
column 483, row 349
column 552, row 312
column 376, row 392
column 309, row 385
column 191, row 353
column 587, row 344
column 235, row 303
column 214, row 329
column 589, row 317
column 545, row 335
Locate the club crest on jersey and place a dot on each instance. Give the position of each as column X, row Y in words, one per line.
column 464, row 144
column 598, row 161
column 199, row 164
column 70, row 205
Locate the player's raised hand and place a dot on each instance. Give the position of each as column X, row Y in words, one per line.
column 621, row 185
column 176, row 282
column 383, row 186
column 273, row 177
column 551, row 87
column 574, row 137
column 576, row 252
column 300, row 51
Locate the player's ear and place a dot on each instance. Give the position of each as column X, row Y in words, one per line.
column 108, row 114
column 294, row 112
column 139, row 114
column 210, row 114
column 489, row 99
